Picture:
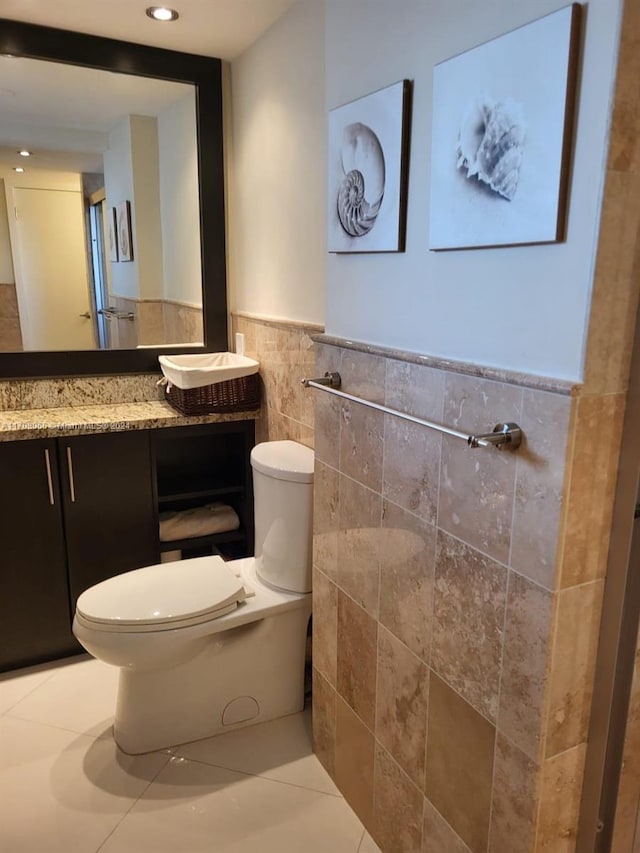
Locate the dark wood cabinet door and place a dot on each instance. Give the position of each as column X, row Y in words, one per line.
column 35, row 618
column 109, row 506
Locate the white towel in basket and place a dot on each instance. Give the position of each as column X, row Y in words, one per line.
column 199, row 521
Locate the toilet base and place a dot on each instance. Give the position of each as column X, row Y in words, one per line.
column 241, row 677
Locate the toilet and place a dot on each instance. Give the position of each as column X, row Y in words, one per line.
column 204, row 645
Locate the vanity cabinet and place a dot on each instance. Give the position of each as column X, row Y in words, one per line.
column 75, row 511
column 35, row 617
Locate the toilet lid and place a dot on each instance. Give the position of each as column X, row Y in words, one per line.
column 164, row 593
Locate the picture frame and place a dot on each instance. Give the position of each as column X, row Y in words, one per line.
column 124, row 231
column 501, row 137
column 368, row 155
column 112, row 234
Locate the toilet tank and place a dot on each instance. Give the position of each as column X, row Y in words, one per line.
column 283, row 504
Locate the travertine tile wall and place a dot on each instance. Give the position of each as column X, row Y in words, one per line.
column 285, row 352
column 453, row 657
column 155, row 321
column 457, row 597
column 616, row 293
column 626, row 837
column 10, row 334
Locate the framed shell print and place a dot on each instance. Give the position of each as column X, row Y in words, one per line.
column 501, row 136
column 367, row 172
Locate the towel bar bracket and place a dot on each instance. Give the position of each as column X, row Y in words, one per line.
column 504, row 436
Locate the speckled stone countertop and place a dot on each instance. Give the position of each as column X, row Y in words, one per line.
column 19, row 424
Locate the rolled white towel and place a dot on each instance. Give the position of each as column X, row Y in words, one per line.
column 199, row 521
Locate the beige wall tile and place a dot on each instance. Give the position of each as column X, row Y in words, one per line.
column 357, row 657
column 327, row 408
column 360, row 515
column 415, row 389
column 325, row 626
column 476, row 496
column 468, row 621
column 363, row 375
column 476, row 486
column 460, row 747
column 354, row 762
column 325, row 519
column 10, row 335
column 437, row 835
column 574, row 660
column 591, row 488
column 514, row 803
column 397, row 822
column 628, row 803
column 324, row 722
column 407, row 560
column 361, row 436
column 616, row 286
column 412, row 467
column 8, row 301
column 540, row 474
column 525, row 663
column 402, row 693
column 624, row 152
column 560, row 801
column 286, row 354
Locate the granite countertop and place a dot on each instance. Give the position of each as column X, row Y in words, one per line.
column 18, row 424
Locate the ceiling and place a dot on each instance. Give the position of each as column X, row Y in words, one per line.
column 221, row 28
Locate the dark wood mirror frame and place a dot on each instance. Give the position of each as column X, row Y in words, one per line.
column 205, row 74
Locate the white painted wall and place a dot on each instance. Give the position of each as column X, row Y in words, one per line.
column 518, row 308
column 145, row 205
column 179, row 201
column 118, row 185
column 131, row 173
column 277, row 174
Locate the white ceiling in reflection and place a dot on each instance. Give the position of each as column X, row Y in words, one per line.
column 64, row 113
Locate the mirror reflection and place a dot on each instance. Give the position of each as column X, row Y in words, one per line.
column 99, row 214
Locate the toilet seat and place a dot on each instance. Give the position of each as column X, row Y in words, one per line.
column 162, row 597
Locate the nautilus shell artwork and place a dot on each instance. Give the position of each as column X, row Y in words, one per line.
column 361, row 187
column 490, row 144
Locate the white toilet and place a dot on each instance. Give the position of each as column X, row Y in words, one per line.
column 204, row 646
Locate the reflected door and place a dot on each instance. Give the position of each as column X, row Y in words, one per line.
column 50, row 261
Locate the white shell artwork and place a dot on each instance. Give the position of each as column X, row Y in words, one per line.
column 362, row 188
column 490, row 144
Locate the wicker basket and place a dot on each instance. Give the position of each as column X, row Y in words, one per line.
column 233, row 395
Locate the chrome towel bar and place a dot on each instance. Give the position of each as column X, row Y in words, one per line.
column 504, row 436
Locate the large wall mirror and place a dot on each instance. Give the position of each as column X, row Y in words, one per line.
column 112, row 219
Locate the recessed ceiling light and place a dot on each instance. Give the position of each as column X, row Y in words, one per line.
column 18, row 169
column 24, row 153
column 162, row 13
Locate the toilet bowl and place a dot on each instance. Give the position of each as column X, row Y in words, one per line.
column 205, row 645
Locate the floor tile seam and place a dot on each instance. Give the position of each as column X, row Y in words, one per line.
column 133, row 803
column 200, row 761
column 29, row 692
column 56, row 727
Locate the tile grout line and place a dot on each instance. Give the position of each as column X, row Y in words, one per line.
column 29, row 692
column 58, row 728
column 137, row 799
column 337, row 796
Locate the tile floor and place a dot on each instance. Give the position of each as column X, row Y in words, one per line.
column 66, row 788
